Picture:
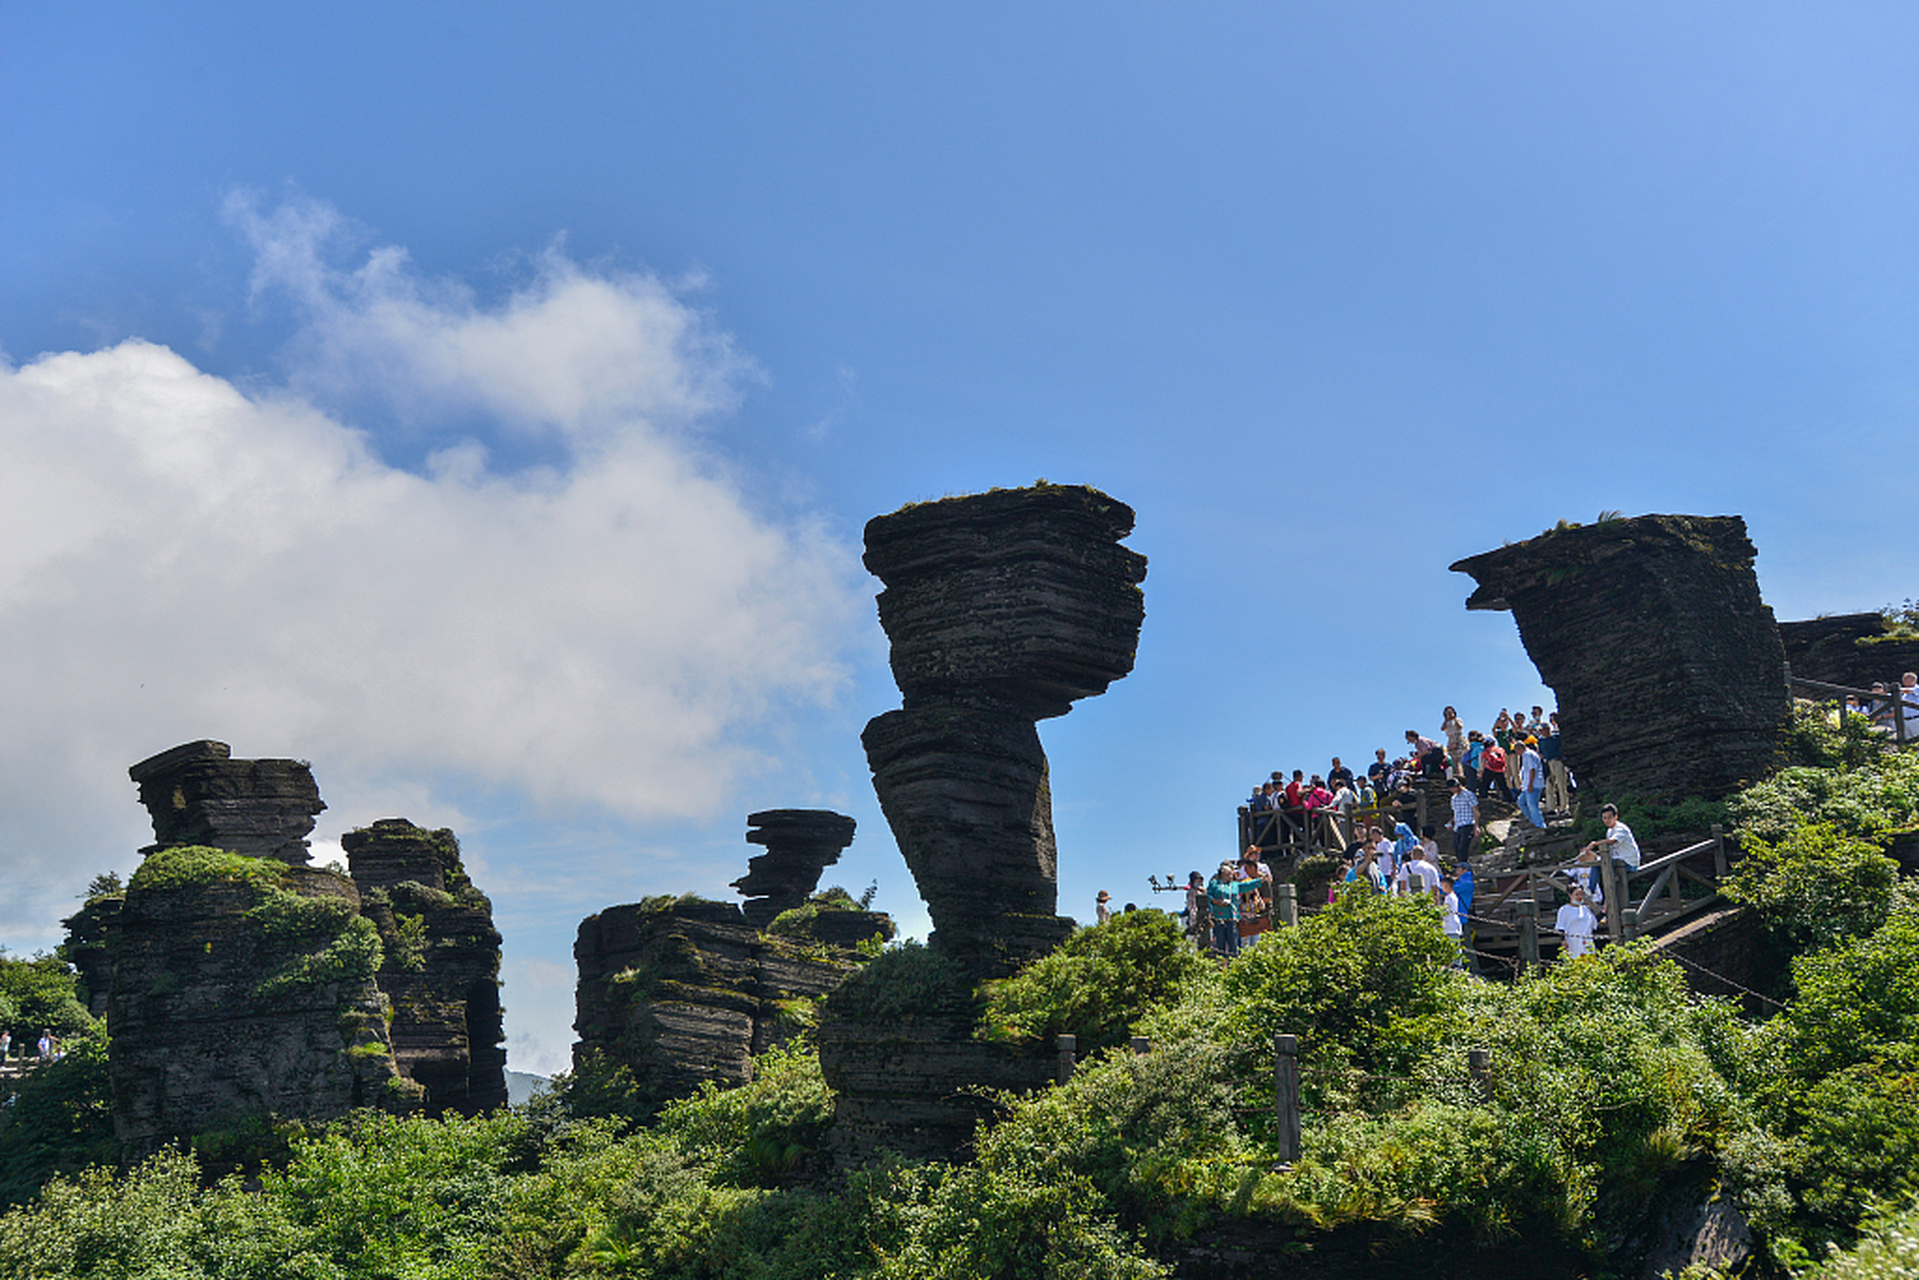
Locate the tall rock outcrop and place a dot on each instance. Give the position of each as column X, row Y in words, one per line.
column 440, row 964
column 800, row 844
column 198, row 794
column 245, row 983
column 1003, row 608
column 1667, row 665
column 243, row 987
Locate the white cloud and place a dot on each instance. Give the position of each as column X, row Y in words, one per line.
column 571, row 353
column 182, row 559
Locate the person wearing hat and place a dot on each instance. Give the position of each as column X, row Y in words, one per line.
column 1532, row 782
column 1100, row 908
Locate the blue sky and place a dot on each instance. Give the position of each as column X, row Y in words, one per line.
column 485, row 402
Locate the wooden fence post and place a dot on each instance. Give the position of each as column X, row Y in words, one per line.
column 1615, row 903
column 1718, row 852
column 1286, row 903
column 1528, row 934
column 1067, row 1057
column 1479, row 1065
column 1286, row 1095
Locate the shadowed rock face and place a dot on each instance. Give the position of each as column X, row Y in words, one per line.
column 1851, row 649
column 683, row 991
column 198, row 795
column 800, row 844
column 440, row 962
column 242, row 990
column 1002, row 609
column 1668, row 667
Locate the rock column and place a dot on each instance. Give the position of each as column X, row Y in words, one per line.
column 1667, row 665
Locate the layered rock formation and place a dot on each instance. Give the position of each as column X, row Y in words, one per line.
column 440, row 963
column 1668, row 667
column 243, row 987
column 1851, row 649
column 800, row 844
column 1002, row 608
column 245, row 983
column 680, row 991
column 198, row 794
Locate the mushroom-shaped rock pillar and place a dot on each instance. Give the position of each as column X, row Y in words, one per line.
column 1003, row 609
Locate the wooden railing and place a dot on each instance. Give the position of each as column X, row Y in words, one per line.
column 1292, row 834
column 1649, row 898
column 1889, row 711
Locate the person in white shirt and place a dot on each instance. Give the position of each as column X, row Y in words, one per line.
column 1577, row 924
column 1426, row 873
column 1625, row 846
column 1449, row 922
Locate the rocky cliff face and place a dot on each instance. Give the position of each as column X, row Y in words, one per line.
column 1002, row 608
column 1851, row 649
column 1668, row 667
column 243, row 987
column 440, row 962
column 681, row 991
column 245, row 983
column 198, row 794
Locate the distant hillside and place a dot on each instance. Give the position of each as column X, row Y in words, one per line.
column 521, row 1085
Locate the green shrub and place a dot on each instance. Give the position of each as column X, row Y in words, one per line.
column 1095, row 984
column 60, row 1119
column 198, row 865
column 1879, row 796
column 905, row 980
column 1815, row 886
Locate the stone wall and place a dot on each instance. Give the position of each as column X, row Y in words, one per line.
column 1668, row 668
column 441, row 962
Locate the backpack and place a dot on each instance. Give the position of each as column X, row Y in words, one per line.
column 1493, row 759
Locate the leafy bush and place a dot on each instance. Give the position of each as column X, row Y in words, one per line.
column 1096, row 984
column 1815, row 887
column 904, row 980
column 60, row 1119
column 198, row 865
column 1879, row 796
column 1889, row 1250
column 40, row 993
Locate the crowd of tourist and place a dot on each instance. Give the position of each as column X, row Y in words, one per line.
column 1885, row 708
column 1517, row 760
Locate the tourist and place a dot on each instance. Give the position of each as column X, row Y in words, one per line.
column 1449, row 724
column 1449, row 919
column 6, row 1044
column 1577, row 924
column 1223, row 893
column 1492, row 771
column 46, row 1044
column 1558, row 796
column 1339, row 774
column 1376, row 771
column 1465, row 823
column 1255, row 917
column 1618, row 837
column 1532, row 782
column 1423, row 876
column 1199, row 916
column 1100, row 908
column 1428, row 759
column 1345, row 801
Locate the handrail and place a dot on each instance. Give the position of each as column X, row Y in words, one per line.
column 1904, row 718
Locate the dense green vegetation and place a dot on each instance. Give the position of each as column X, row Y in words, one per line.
column 1613, row 1094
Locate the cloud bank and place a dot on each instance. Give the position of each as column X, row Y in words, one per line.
column 182, row 558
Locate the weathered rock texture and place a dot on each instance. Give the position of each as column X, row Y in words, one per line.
column 441, row 962
column 1851, row 649
column 89, row 947
column 1002, row 609
column 241, row 988
column 681, row 991
column 800, row 844
column 198, row 795
column 1668, row 667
